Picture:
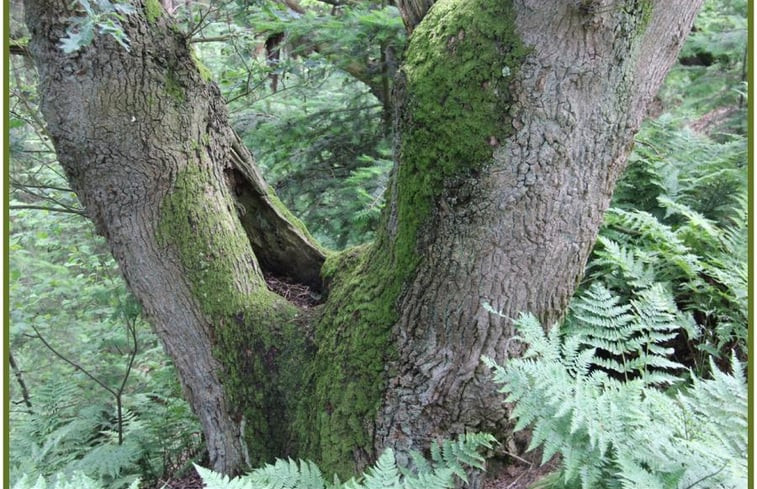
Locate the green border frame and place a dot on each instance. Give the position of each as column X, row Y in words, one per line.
column 750, row 239
column 5, row 245
column 6, row 234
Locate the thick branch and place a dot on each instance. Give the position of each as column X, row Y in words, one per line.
column 280, row 241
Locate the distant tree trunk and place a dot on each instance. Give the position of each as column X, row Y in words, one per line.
column 513, row 120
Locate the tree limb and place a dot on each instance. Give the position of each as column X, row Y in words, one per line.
column 50, row 209
column 21, row 383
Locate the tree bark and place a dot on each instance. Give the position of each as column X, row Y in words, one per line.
column 513, row 122
column 146, row 145
column 517, row 230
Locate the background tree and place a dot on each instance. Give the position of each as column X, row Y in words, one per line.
column 513, row 122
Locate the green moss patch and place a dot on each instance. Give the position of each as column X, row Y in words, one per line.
column 459, row 64
column 204, row 71
column 353, row 348
column 257, row 335
column 153, row 10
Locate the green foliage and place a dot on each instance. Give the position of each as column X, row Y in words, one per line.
column 310, row 95
column 64, row 287
column 325, row 155
column 671, row 160
column 449, row 460
column 77, row 480
column 690, row 240
column 711, row 78
column 104, row 16
column 679, row 214
column 614, row 433
column 628, row 336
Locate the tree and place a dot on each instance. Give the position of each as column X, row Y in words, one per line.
column 513, row 121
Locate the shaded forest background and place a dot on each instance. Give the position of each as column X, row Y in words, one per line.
column 308, row 87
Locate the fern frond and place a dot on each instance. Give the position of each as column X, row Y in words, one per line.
column 628, row 433
column 214, row 480
column 628, row 335
column 108, row 460
column 634, row 264
column 450, row 459
column 384, row 474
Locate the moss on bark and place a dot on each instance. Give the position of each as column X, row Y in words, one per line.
column 257, row 334
column 153, row 10
column 459, row 63
column 352, row 337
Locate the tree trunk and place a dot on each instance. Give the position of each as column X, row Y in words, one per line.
column 146, row 144
column 513, row 122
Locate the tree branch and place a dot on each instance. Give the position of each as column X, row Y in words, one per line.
column 64, row 210
column 75, row 365
column 18, row 49
column 21, row 383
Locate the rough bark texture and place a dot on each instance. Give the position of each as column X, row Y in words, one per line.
column 514, row 120
column 515, row 231
column 146, row 144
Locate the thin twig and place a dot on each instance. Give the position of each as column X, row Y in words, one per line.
column 530, row 464
column 20, row 380
column 51, row 209
column 72, row 363
column 17, row 184
column 706, row 477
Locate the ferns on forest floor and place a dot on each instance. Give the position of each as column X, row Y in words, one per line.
column 679, row 218
column 60, row 437
column 614, row 430
column 77, row 480
column 448, row 461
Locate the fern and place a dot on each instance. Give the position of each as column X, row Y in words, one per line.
column 629, row 336
column 678, row 218
column 449, row 460
column 703, row 263
column 76, row 480
column 613, row 432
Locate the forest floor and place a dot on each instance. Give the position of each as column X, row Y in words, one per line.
column 517, row 476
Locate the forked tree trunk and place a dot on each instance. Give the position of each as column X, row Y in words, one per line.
column 514, row 120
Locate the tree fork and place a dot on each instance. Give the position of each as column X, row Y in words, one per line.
column 515, row 120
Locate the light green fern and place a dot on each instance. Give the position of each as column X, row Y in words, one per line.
column 679, row 217
column 77, row 480
column 617, row 433
column 449, row 460
column 628, row 338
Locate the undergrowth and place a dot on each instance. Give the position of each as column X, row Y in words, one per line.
column 603, row 392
